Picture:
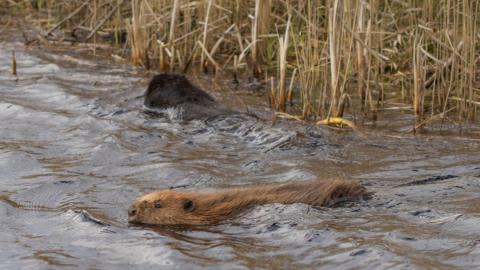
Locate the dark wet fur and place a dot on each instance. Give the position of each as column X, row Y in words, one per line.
column 176, row 91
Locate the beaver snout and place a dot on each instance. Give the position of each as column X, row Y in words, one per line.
column 132, row 214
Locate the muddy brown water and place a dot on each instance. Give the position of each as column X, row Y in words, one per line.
column 76, row 148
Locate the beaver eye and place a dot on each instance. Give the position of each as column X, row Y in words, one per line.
column 188, row 205
column 158, row 205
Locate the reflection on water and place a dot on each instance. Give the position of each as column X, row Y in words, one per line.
column 76, row 149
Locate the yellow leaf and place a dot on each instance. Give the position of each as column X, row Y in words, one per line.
column 337, row 121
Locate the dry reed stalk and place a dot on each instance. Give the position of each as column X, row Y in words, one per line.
column 204, row 37
column 370, row 68
column 348, row 42
column 432, row 118
column 290, row 88
column 218, row 68
column 418, row 78
column 468, row 54
column 360, row 52
column 136, row 34
column 255, row 30
column 288, row 116
column 235, row 69
column 14, row 64
column 171, row 35
column 334, row 45
column 280, row 95
column 93, row 21
column 220, row 40
column 260, row 26
column 273, row 102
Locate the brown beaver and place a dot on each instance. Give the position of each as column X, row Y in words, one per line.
column 172, row 207
column 176, row 91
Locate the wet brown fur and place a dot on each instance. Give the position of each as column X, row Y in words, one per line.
column 204, row 208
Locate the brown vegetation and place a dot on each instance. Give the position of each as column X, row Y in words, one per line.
column 423, row 52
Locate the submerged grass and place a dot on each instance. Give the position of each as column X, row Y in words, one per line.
column 320, row 55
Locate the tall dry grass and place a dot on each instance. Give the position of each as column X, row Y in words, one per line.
column 323, row 55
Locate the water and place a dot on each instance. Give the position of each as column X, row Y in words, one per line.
column 76, row 148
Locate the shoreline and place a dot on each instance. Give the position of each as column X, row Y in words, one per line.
column 246, row 91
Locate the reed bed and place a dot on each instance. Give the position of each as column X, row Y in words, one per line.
column 319, row 57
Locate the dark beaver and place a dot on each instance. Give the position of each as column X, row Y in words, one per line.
column 172, row 207
column 176, row 91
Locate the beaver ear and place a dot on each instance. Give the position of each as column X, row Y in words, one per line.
column 188, row 205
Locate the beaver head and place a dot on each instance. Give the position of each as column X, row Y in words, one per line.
column 170, row 90
column 166, row 207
